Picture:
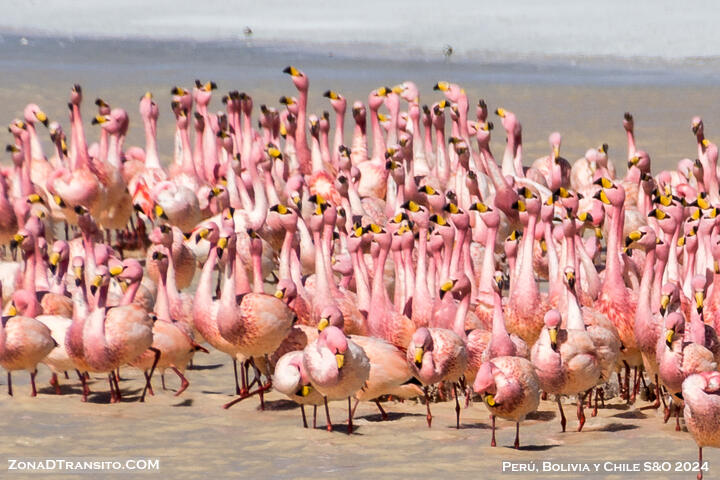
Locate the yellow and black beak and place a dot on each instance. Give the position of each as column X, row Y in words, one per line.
column 442, row 86
column 12, row 310
column 446, row 287
column 699, row 300
column 95, row 284
column 221, row 246
column 553, row 337
column 160, row 212
column 669, row 337
column 292, row 71
column 340, row 358
column 664, row 302
column 53, row 260
column 42, row 118
column 519, row 205
column 490, row 400
column 118, row 269
column 304, row 391
column 602, row 196
column 500, row 112
column 323, row 324
column 570, row 276
column 419, row 352
column 279, row 294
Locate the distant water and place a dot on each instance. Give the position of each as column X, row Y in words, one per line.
column 637, row 33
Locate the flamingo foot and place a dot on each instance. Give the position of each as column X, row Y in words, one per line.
column 581, row 412
column 259, row 390
column 183, row 381
column 54, row 382
column 149, row 377
column 327, row 416
column 350, row 417
column 382, row 411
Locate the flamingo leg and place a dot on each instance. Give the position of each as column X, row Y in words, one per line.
column 9, row 377
column 83, row 382
column 32, row 382
column 162, row 380
column 427, row 403
column 626, row 385
column 492, row 440
column 314, row 417
column 350, row 424
column 67, row 377
column 183, row 381
column 116, row 378
column 54, row 382
column 700, row 475
column 382, row 411
column 677, row 418
column 150, row 389
column 581, row 411
column 327, row 416
column 621, row 392
column 261, row 389
column 668, row 410
column 152, row 369
column 237, row 387
column 563, row 421
column 595, row 408
column 357, row 402
column 517, row 435
column 302, row 410
column 457, row 407
column 636, row 385
column 113, row 395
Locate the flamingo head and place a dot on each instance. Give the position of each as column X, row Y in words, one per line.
column 552, row 323
column 334, row 340
column 330, row 316
column 644, row 237
column 697, row 126
column 609, row 193
column 698, row 284
column 674, row 327
column 101, row 278
column 131, row 271
column 670, row 297
column 285, row 290
column 485, row 383
column 76, row 94
column 59, row 254
column 298, row 78
column 408, row 91
column 33, row 113
column 338, row 102
column 422, row 344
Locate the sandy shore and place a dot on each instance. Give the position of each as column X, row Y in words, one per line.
column 193, row 436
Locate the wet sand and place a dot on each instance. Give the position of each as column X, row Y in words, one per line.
column 194, row 437
column 191, row 435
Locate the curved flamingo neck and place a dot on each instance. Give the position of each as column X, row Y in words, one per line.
column 378, row 139
column 130, row 293
column 301, row 142
column 643, row 306
column 82, row 157
column 162, row 300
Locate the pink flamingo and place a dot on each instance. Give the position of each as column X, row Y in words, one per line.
column 701, row 393
column 511, row 390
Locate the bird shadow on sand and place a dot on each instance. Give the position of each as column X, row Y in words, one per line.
column 185, row 403
column 615, row 427
column 342, row 428
column 535, row 448
column 280, row 405
column 616, row 406
column 64, row 390
column 205, row 367
column 543, row 416
column 391, row 416
column 474, row 425
column 634, row 414
column 104, row 397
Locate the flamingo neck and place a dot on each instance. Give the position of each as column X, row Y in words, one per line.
column 488, row 265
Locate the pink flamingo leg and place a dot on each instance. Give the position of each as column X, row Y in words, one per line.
column 302, row 410
column 327, row 415
column 517, row 435
column 54, row 382
column 183, row 381
column 152, row 369
column 492, row 440
column 427, row 403
column 350, row 412
column 32, row 382
column 457, row 407
column 563, row 421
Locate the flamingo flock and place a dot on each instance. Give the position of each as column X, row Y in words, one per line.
column 404, row 263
